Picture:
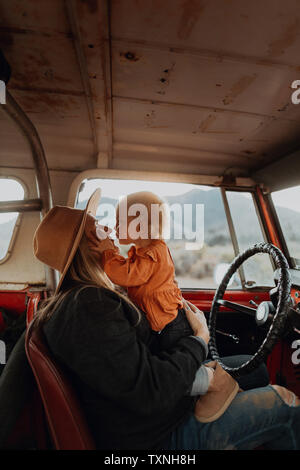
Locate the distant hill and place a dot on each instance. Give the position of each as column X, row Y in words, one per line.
column 291, row 220
column 215, row 223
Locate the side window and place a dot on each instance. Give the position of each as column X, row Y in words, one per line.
column 10, row 190
column 199, row 240
column 287, row 204
column 258, row 269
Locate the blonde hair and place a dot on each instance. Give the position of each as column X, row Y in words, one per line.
column 83, row 272
column 157, row 226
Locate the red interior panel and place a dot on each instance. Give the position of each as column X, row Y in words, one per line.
column 13, row 301
column 203, row 299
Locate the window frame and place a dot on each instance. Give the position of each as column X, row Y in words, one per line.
column 243, row 184
column 18, row 220
column 263, row 228
column 104, row 173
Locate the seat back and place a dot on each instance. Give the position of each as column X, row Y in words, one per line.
column 67, row 424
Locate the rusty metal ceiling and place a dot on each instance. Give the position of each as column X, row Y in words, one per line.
column 194, row 86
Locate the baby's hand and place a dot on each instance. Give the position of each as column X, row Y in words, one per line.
column 97, row 247
column 103, row 245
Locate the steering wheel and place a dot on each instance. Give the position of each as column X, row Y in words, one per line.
column 278, row 323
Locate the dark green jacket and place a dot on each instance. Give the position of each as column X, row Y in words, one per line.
column 132, row 397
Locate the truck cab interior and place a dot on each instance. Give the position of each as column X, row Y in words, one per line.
column 194, row 100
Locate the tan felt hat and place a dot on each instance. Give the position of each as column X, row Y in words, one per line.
column 57, row 237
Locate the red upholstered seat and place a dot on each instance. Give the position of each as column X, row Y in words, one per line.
column 67, row 424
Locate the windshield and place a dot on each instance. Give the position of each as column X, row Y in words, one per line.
column 199, row 238
column 287, row 204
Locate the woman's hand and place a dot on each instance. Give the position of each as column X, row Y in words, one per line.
column 197, row 320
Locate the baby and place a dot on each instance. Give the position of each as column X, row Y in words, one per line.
column 148, row 272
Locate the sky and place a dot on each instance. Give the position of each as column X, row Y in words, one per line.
column 125, row 187
column 289, row 198
column 12, row 190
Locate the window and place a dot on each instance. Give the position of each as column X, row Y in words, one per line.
column 10, row 190
column 199, row 240
column 287, row 204
column 258, row 269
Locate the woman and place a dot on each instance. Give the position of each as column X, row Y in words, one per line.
column 134, row 399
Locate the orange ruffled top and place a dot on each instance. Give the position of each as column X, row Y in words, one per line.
column 148, row 274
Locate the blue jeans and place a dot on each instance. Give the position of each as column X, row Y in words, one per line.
column 256, row 417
